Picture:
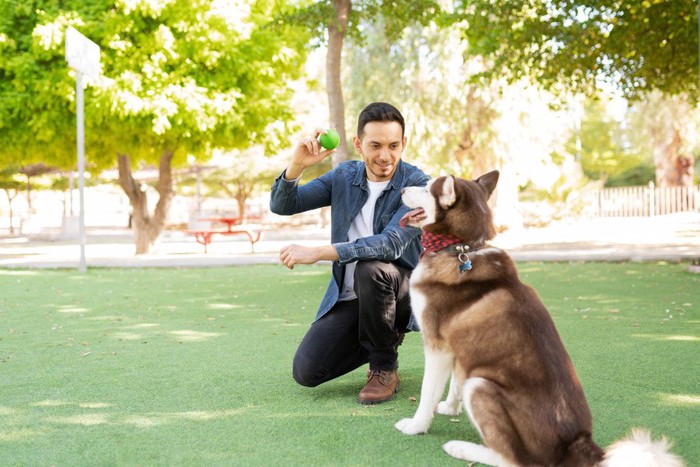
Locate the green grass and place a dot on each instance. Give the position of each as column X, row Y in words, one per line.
column 193, row 366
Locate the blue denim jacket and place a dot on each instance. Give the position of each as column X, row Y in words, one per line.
column 345, row 189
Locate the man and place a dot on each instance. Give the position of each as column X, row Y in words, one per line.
column 366, row 309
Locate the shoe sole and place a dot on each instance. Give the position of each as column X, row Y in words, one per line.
column 375, row 402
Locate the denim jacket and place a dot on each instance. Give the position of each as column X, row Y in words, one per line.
column 345, row 189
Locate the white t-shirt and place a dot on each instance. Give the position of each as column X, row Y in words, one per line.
column 362, row 226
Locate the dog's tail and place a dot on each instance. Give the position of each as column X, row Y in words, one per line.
column 639, row 450
column 583, row 452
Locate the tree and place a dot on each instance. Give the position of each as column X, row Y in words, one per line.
column 637, row 46
column 458, row 126
column 575, row 45
column 664, row 129
column 179, row 78
column 32, row 171
column 601, row 143
column 333, row 21
column 12, row 187
column 238, row 174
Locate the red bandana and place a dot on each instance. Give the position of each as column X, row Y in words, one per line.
column 435, row 242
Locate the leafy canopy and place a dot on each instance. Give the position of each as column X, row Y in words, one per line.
column 178, row 75
column 637, row 46
column 316, row 16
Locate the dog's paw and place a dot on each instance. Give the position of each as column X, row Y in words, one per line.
column 471, row 452
column 409, row 426
column 445, row 408
column 457, row 449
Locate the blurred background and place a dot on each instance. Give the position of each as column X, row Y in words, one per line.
column 588, row 109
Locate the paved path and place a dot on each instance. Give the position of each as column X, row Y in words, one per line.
column 668, row 238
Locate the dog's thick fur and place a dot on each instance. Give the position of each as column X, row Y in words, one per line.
column 493, row 334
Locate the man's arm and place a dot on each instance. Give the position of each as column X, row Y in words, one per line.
column 297, row 254
column 393, row 242
column 285, row 198
column 388, row 245
column 308, row 152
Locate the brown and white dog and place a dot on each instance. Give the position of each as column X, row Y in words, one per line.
column 509, row 367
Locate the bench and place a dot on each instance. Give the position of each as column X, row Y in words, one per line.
column 234, row 226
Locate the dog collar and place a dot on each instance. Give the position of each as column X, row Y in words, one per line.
column 451, row 245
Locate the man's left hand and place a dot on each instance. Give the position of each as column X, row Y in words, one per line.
column 298, row 254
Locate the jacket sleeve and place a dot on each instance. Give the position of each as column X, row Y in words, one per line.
column 393, row 243
column 287, row 197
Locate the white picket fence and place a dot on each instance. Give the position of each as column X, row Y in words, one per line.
column 642, row 201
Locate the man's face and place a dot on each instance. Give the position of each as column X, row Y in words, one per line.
column 381, row 148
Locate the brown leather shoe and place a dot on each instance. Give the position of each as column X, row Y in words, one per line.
column 380, row 387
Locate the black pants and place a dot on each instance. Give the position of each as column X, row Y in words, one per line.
column 358, row 331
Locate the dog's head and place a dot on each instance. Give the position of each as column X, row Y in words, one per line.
column 453, row 206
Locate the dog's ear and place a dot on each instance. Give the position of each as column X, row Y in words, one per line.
column 447, row 194
column 489, row 181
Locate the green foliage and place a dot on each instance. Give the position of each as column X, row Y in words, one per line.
column 601, row 143
column 316, row 16
column 10, row 179
column 637, row 46
column 186, row 76
column 641, row 174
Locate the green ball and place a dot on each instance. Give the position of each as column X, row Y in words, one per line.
column 330, row 139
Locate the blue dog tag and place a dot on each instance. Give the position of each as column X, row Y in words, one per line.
column 466, row 266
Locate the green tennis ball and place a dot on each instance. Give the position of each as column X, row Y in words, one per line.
column 330, row 139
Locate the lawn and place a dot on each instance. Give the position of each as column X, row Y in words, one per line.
column 192, row 366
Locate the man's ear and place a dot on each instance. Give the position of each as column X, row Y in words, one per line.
column 357, row 144
column 448, row 196
column 488, row 181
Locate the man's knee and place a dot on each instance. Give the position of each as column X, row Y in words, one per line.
column 304, row 374
column 374, row 272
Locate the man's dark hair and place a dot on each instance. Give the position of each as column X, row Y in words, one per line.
column 379, row 112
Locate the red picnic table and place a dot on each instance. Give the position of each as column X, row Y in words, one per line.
column 233, row 225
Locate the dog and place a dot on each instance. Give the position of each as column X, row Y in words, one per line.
column 495, row 337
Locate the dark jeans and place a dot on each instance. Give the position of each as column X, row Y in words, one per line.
column 358, row 331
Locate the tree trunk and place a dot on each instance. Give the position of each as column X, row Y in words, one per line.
column 475, row 147
column 11, row 198
column 29, row 194
column 241, row 194
column 336, row 106
column 669, row 128
column 240, row 200
column 672, row 167
column 147, row 228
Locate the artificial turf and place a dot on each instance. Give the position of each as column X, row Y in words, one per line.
column 192, row 366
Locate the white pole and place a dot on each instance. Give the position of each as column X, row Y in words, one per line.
column 80, row 120
column 83, row 56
